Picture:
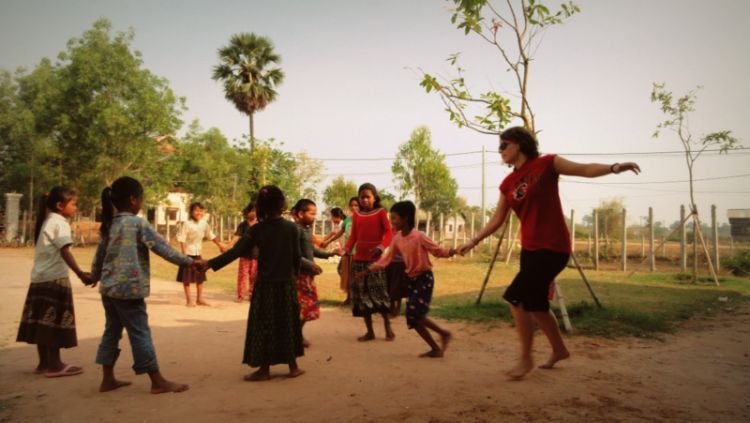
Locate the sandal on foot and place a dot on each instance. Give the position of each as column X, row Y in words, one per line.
column 68, row 370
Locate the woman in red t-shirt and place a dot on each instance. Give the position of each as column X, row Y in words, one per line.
column 531, row 192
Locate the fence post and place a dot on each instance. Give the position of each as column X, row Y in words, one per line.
column 624, row 241
column 596, row 239
column 428, row 225
column 663, row 246
column 473, row 234
column 442, row 228
column 509, row 238
column 651, row 252
column 715, row 230
column 455, row 229
column 589, row 246
column 683, row 238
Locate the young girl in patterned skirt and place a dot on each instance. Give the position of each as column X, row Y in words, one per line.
column 48, row 319
column 274, row 330
column 190, row 236
column 248, row 268
column 371, row 234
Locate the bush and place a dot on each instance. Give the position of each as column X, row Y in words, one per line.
column 739, row 263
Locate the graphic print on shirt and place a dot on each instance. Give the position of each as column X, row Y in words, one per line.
column 524, row 184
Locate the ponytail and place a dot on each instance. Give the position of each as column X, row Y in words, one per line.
column 108, row 212
column 48, row 202
column 41, row 216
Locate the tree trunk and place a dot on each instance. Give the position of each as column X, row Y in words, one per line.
column 252, row 134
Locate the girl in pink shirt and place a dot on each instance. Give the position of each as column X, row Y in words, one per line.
column 415, row 247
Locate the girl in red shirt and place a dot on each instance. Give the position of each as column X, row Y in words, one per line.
column 531, row 191
column 371, row 234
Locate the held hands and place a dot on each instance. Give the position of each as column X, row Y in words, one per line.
column 87, row 279
column 360, row 275
column 199, row 265
column 377, row 252
column 316, row 269
column 338, row 252
column 465, row 248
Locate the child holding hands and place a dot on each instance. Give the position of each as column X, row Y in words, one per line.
column 414, row 247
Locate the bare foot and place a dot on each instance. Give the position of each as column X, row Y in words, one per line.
column 445, row 340
column 519, row 371
column 294, row 373
column 190, row 304
column 431, row 354
column 366, row 337
column 239, row 300
column 305, row 343
column 167, row 386
column 258, row 376
column 202, row 303
column 390, row 336
column 40, row 370
column 111, row 385
column 554, row 358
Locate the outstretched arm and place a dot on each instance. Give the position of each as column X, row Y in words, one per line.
column 592, row 170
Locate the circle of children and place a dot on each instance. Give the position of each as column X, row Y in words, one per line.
column 276, row 272
column 277, row 267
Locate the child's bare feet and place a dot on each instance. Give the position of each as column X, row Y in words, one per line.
column 295, row 372
column 202, row 303
column 431, row 354
column 190, row 304
column 258, row 376
column 390, row 336
column 305, row 343
column 111, row 385
column 554, row 358
column 165, row 386
column 525, row 364
column 239, row 300
column 369, row 336
column 445, row 339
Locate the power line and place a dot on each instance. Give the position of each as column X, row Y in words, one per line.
column 465, row 153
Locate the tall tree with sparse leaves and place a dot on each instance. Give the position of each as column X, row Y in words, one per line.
column 514, row 31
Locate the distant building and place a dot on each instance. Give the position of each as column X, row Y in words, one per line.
column 739, row 221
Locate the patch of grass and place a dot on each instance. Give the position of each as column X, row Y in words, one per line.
column 484, row 312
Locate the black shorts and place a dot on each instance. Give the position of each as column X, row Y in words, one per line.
column 530, row 287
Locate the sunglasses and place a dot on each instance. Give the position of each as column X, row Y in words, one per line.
column 504, row 145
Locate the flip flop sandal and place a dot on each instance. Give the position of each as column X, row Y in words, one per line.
column 65, row 371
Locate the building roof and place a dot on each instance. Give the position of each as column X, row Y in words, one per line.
column 738, row 213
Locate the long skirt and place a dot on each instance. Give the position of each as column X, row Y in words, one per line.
column 48, row 318
column 368, row 294
column 274, row 330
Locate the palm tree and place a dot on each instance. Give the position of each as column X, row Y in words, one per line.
column 250, row 74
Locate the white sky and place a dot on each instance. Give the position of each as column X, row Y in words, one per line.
column 351, row 89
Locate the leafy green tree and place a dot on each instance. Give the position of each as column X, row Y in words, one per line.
column 338, row 193
column 420, row 170
column 514, row 32
column 250, row 74
column 112, row 111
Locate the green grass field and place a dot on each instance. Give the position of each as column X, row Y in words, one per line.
column 644, row 304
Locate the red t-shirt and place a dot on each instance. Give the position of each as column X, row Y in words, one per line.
column 369, row 231
column 532, row 193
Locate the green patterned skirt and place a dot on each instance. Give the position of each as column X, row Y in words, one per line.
column 368, row 294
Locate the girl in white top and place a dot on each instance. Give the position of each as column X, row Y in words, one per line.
column 190, row 236
column 48, row 319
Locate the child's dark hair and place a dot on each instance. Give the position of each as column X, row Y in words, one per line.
column 302, row 205
column 407, row 211
column 370, row 187
column 248, row 208
column 269, row 203
column 193, row 206
column 117, row 196
column 526, row 140
column 338, row 213
column 356, row 199
column 48, row 202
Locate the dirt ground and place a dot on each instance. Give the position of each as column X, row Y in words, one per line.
column 700, row 374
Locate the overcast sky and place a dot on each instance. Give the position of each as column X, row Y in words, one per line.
column 352, row 83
